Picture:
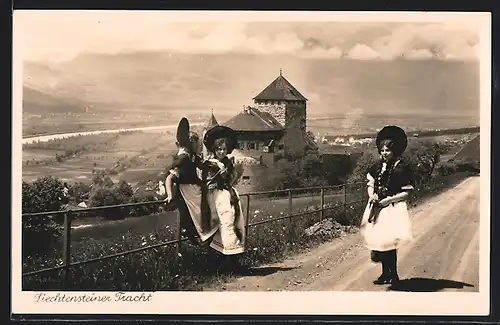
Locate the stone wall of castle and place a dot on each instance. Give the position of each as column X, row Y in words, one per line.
column 296, row 116
column 277, row 110
column 289, row 114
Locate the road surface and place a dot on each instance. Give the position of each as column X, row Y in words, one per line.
column 443, row 257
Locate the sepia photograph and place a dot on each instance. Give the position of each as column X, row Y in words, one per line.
column 205, row 162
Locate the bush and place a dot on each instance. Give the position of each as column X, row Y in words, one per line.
column 80, row 191
column 297, row 172
column 40, row 232
column 108, row 195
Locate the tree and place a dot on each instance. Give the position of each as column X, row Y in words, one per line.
column 40, row 232
column 364, row 162
column 125, row 189
column 44, row 194
column 423, row 156
column 80, row 191
column 104, row 196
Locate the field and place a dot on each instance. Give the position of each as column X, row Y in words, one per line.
column 142, row 154
column 52, row 123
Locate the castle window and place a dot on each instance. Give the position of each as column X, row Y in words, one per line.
column 246, row 178
column 251, row 145
column 241, row 145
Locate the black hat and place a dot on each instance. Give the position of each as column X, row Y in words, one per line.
column 218, row 132
column 397, row 135
column 183, row 132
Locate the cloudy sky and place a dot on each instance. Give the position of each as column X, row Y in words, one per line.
column 63, row 35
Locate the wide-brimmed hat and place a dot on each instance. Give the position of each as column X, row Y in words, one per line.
column 397, row 135
column 183, row 132
column 218, row 132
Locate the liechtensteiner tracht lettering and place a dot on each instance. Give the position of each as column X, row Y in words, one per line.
column 92, row 297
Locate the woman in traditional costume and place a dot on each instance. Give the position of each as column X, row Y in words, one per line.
column 219, row 178
column 386, row 223
column 185, row 172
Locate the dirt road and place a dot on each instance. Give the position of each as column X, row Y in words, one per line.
column 443, row 257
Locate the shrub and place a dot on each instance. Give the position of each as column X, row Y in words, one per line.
column 80, row 191
column 40, row 232
column 108, row 195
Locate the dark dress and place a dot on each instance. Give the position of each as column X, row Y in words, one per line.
column 184, row 172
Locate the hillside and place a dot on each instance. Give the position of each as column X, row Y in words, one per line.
column 166, row 81
column 35, row 101
column 470, row 152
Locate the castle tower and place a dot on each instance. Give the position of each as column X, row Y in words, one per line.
column 289, row 107
column 284, row 102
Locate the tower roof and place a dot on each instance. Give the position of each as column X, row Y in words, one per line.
column 280, row 89
column 212, row 121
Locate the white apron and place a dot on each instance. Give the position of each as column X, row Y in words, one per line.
column 230, row 237
column 391, row 229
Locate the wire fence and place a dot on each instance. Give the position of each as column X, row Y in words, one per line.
column 337, row 194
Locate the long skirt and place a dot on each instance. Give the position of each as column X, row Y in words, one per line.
column 390, row 229
column 205, row 225
column 230, row 237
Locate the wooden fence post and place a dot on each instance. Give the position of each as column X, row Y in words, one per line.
column 290, row 211
column 247, row 221
column 345, row 201
column 322, row 213
column 178, row 238
column 67, row 246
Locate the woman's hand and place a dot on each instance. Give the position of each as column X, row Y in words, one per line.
column 374, row 198
column 168, row 199
column 385, row 202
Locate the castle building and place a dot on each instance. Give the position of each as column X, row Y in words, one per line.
column 274, row 124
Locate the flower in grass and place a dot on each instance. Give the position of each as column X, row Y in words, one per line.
column 179, row 254
column 256, row 211
column 255, row 248
column 143, row 243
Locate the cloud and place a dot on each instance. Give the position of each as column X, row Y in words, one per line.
column 419, row 54
column 62, row 36
column 363, row 52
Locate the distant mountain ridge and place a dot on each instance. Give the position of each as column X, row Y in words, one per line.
column 166, row 81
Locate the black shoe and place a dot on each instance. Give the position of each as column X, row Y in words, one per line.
column 394, row 279
column 383, row 279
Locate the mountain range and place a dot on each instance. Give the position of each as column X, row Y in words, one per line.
column 163, row 81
